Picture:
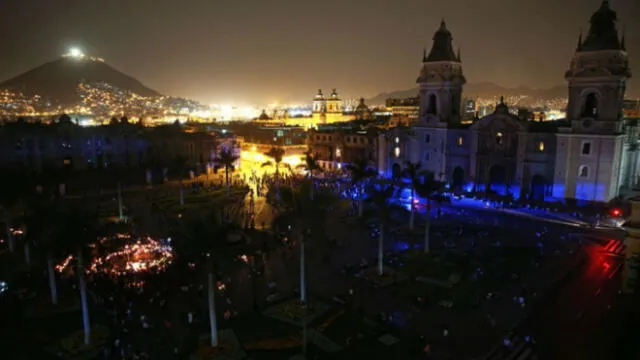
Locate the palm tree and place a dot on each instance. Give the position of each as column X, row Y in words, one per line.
column 207, row 238
column 310, row 165
column 360, row 175
column 412, row 172
column 45, row 229
column 380, row 198
column 276, row 153
column 80, row 228
column 226, row 160
column 425, row 190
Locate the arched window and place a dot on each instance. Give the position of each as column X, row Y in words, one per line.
column 590, row 108
column 583, row 171
column 432, row 107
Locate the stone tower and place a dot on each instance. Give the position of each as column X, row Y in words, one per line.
column 319, row 103
column 334, row 103
column 597, row 77
column 441, row 81
column 591, row 154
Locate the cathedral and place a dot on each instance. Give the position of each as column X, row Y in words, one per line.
column 325, row 110
column 592, row 155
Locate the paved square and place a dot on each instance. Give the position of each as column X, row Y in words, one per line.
column 292, row 311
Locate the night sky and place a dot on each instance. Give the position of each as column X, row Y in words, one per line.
column 262, row 51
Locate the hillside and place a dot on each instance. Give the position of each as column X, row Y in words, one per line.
column 482, row 90
column 58, row 80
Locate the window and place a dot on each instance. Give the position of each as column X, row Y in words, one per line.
column 397, row 140
column 427, row 156
column 499, row 138
column 583, row 171
column 590, row 108
column 433, row 107
column 586, row 148
column 541, row 146
column 460, row 141
column 427, row 138
column 396, row 151
column 338, row 153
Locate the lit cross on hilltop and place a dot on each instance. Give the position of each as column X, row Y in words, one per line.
column 74, row 53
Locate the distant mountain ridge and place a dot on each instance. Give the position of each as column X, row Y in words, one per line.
column 58, row 80
column 482, row 90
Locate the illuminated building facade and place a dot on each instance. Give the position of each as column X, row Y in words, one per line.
column 404, row 112
column 256, row 141
column 334, row 148
column 469, row 109
column 591, row 156
column 325, row 110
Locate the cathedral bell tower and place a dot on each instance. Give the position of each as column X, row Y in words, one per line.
column 441, row 81
column 319, row 103
column 592, row 158
column 597, row 77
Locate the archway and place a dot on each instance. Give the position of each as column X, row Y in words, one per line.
column 538, row 186
column 432, row 107
column 396, row 171
column 498, row 180
column 457, row 178
column 590, row 108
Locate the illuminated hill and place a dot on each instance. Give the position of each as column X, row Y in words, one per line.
column 58, row 81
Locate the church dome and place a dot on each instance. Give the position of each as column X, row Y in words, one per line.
column 362, row 106
column 264, row 116
column 362, row 111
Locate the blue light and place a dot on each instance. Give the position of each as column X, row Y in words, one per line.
column 400, row 246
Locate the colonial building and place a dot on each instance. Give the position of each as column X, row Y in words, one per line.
column 39, row 147
column 404, row 112
column 591, row 156
column 336, row 147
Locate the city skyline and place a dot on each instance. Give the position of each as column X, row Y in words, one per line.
column 216, row 60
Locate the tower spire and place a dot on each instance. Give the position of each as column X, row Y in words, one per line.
column 579, row 45
column 602, row 33
column 442, row 48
